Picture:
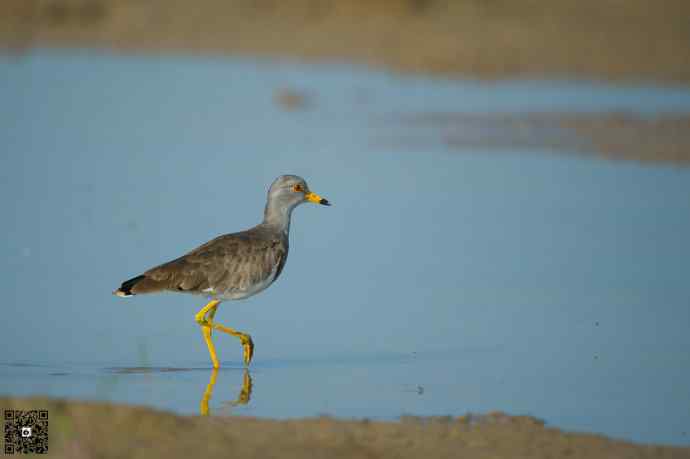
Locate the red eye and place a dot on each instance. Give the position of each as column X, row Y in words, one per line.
column 297, row 188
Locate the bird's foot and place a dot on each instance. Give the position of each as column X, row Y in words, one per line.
column 248, row 348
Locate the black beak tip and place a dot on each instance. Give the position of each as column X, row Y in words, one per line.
column 324, row 202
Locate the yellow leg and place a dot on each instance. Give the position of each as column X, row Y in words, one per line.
column 206, row 329
column 207, row 325
column 245, row 340
column 211, row 314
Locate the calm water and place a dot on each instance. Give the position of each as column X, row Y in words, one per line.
column 440, row 282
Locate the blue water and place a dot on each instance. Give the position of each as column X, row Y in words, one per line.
column 440, row 282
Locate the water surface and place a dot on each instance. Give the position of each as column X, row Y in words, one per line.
column 443, row 280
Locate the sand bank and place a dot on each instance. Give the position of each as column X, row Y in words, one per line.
column 85, row 430
column 635, row 40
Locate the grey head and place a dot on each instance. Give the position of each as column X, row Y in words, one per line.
column 286, row 193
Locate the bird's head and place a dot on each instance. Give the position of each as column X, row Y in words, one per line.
column 289, row 191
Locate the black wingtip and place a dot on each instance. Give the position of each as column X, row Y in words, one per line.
column 126, row 287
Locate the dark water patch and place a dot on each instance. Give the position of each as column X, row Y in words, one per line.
column 613, row 135
column 146, row 370
column 23, row 365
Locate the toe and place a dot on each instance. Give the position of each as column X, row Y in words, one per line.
column 248, row 352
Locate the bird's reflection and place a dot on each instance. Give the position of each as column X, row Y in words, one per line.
column 242, row 399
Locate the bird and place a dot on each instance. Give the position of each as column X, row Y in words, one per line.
column 232, row 266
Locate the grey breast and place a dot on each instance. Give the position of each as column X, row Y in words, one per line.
column 229, row 266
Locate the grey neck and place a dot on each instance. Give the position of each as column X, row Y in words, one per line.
column 278, row 217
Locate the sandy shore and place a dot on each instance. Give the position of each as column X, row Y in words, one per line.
column 636, row 40
column 85, row 430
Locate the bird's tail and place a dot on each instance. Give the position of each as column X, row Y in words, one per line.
column 125, row 289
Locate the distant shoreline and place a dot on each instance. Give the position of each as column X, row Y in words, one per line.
column 640, row 42
column 91, row 429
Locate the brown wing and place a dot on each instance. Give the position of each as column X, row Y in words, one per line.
column 232, row 262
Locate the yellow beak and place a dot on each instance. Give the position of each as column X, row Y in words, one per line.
column 315, row 198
